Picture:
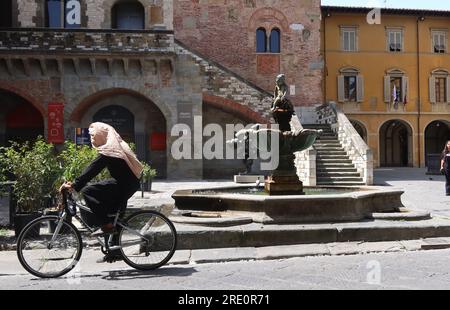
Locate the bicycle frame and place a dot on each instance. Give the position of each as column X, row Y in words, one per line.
column 107, row 244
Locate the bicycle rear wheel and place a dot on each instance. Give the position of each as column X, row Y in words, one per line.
column 45, row 253
column 148, row 241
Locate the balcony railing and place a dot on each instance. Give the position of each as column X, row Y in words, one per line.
column 39, row 40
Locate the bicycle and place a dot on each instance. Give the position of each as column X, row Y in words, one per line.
column 51, row 246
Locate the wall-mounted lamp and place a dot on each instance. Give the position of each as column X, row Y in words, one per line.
column 422, row 18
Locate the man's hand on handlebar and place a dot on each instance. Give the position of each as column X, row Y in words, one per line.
column 66, row 186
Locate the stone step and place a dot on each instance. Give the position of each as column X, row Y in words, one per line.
column 325, row 156
column 324, row 169
column 340, row 174
column 327, row 143
column 340, row 183
column 331, row 152
column 317, row 126
column 334, row 166
column 339, row 179
column 251, row 235
column 329, row 148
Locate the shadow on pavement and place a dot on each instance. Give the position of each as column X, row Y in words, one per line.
column 162, row 272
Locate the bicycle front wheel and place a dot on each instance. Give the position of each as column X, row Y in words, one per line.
column 148, row 240
column 49, row 247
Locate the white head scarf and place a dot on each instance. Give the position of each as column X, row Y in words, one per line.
column 115, row 146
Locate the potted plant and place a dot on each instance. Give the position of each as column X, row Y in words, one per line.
column 34, row 169
column 148, row 173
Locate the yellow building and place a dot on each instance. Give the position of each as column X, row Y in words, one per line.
column 389, row 70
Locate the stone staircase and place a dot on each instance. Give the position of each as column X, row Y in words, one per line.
column 333, row 165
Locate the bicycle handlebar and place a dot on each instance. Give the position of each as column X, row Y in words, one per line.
column 66, row 196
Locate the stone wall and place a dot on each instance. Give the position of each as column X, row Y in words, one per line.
column 225, row 32
column 96, row 14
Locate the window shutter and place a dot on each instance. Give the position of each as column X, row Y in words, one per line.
column 341, row 91
column 405, row 89
column 387, row 89
column 432, row 89
column 360, row 89
column 447, row 89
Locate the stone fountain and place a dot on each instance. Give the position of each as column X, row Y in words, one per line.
column 284, row 199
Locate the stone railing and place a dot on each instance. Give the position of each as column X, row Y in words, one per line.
column 358, row 151
column 39, row 40
column 305, row 161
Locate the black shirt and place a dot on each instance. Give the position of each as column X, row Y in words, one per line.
column 117, row 167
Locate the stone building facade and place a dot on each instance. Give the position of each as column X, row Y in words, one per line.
column 121, row 62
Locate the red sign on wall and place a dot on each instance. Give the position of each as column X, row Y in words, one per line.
column 55, row 123
column 158, row 141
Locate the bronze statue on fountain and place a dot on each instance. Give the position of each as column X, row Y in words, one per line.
column 284, row 179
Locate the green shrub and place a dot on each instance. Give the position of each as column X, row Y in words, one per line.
column 35, row 169
column 74, row 159
column 148, row 172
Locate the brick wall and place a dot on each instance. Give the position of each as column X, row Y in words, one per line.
column 225, row 31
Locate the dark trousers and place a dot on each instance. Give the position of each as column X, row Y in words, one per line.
column 107, row 197
column 447, row 182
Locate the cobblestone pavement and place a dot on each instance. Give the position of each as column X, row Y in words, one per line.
column 407, row 270
column 388, row 270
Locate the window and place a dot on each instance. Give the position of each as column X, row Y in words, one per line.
column 128, row 15
column 261, row 40
column 350, row 88
column 348, row 39
column 5, row 13
column 396, row 86
column 439, row 86
column 439, row 42
column 440, row 89
column 63, row 13
column 275, row 41
column 350, row 85
column 396, row 90
column 395, row 40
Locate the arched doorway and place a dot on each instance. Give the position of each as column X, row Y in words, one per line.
column 136, row 118
column 396, row 144
column 118, row 117
column 360, row 129
column 437, row 133
column 128, row 14
column 20, row 121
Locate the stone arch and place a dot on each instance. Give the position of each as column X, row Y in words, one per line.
column 147, row 127
column 235, row 108
column 26, row 96
column 436, row 134
column 361, row 128
column 20, row 120
column 108, row 7
column 395, row 71
column 349, row 69
column 262, row 16
column 92, row 98
column 396, row 144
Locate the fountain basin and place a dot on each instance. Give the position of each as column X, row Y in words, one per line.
column 318, row 205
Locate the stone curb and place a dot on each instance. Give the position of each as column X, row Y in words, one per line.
column 297, row 251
